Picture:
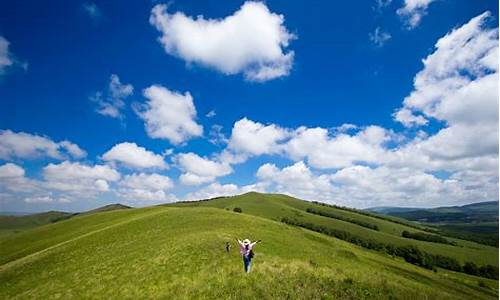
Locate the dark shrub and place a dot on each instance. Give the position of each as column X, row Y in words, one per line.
column 238, row 210
column 488, row 271
column 471, row 268
column 426, row 237
column 446, row 262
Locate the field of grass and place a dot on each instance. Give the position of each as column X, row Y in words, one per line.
column 276, row 207
column 178, row 253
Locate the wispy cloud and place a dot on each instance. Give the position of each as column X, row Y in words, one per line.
column 92, row 10
column 379, row 37
column 413, row 11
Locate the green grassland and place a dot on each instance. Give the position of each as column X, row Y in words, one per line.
column 275, row 207
column 168, row 252
column 12, row 224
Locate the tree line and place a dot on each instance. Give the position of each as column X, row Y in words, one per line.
column 426, row 237
column 342, row 218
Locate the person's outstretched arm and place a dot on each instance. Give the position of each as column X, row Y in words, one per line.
column 239, row 242
column 255, row 243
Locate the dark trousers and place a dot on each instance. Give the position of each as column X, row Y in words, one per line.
column 247, row 262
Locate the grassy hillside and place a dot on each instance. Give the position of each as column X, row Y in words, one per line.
column 12, row 224
column 15, row 224
column 276, row 207
column 170, row 252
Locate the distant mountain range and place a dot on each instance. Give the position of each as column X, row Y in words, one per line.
column 471, row 213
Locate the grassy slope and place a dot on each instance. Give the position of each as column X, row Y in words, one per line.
column 168, row 252
column 275, row 207
column 12, row 224
column 15, row 224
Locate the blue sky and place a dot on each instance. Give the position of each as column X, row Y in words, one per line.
column 108, row 102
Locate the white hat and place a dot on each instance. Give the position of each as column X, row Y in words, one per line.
column 246, row 242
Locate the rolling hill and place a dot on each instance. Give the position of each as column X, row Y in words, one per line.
column 276, row 207
column 15, row 223
column 177, row 251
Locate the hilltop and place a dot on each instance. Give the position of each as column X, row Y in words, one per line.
column 177, row 251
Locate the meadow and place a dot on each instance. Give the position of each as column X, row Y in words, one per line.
column 167, row 252
column 276, row 207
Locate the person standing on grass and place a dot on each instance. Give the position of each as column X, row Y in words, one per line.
column 246, row 250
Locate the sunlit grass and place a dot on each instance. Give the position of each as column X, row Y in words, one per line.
column 166, row 252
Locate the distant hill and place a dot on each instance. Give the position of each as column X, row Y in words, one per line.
column 471, row 213
column 477, row 222
column 390, row 209
column 23, row 222
column 15, row 223
column 178, row 251
column 108, row 207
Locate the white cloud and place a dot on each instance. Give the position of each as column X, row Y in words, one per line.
column 217, row 190
column 380, row 4
column 113, row 103
column 74, row 170
column 297, row 180
column 25, row 145
column 200, row 170
column 362, row 186
column 324, row 151
column 13, row 180
column 459, row 86
column 10, row 170
column 253, row 138
column 379, row 37
column 79, row 179
column 252, row 41
column 322, row 148
column 46, row 199
column 134, row 156
column 169, row 115
column 141, row 187
column 6, row 59
column 146, row 197
column 211, row 114
column 39, row 199
column 147, row 181
column 413, row 11
column 408, row 118
column 216, row 136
